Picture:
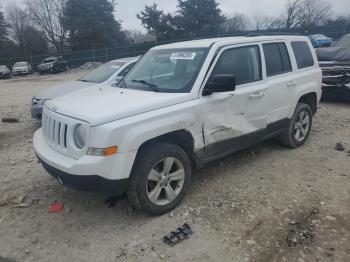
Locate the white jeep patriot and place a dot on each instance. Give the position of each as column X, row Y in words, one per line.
column 181, row 106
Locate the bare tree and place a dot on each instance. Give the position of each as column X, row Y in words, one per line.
column 277, row 23
column 237, row 23
column 48, row 15
column 18, row 21
column 261, row 21
column 294, row 8
column 314, row 12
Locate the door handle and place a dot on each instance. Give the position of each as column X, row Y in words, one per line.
column 257, row 95
column 291, row 84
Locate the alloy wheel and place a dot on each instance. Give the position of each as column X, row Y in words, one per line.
column 165, row 181
column 301, row 126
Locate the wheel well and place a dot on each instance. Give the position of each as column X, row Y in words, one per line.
column 180, row 138
column 311, row 100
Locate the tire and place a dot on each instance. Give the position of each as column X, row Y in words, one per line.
column 143, row 183
column 302, row 121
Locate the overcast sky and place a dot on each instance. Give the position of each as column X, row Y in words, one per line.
column 126, row 10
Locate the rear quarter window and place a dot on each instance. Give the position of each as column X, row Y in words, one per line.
column 302, row 54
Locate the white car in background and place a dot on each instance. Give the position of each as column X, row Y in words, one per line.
column 109, row 73
column 22, row 68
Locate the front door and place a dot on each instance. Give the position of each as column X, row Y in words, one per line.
column 232, row 119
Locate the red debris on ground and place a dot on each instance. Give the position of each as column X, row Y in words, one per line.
column 55, row 207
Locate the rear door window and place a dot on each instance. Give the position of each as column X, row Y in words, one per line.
column 302, row 54
column 277, row 59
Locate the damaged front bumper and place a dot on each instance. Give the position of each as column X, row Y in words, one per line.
column 336, row 80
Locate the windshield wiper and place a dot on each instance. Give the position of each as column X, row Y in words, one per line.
column 83, row 80
column 153, row 87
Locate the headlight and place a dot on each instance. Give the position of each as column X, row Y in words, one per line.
column 102, row 151
column 80, row 136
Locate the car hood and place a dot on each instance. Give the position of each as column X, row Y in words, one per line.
column 20, row 68
column 340, row 54
column 62, row 89
column 102, row 104
column 45, row 64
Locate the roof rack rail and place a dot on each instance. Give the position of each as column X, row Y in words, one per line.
column 271, row 34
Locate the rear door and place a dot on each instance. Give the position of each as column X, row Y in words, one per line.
column 230, row 118
column 280, row 79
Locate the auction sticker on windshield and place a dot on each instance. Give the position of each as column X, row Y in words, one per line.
column 183, row 56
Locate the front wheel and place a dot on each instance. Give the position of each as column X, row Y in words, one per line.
column 299, row 127
column 160, row 178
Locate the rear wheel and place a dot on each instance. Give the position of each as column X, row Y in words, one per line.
column 160, row 178
column 299, row 127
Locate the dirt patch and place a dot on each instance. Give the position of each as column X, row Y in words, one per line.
column 301, row 230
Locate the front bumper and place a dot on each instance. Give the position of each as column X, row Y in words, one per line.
column 23, row 72
column 88, row 172
column 335, row 91
column 87, row 183
column 336, row 86
column 5, row 75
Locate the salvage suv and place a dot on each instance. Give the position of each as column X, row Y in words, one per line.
column 335, row 64
column 180, row 107
column 52, row 65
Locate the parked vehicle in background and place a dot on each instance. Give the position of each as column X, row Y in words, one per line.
column 52, row 65
column 5, row 72
column 22, row 68
column 335, row 65
column 109, row 73
column 320, row 40
column 181, row 106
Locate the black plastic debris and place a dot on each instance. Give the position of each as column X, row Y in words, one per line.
column 181, row 233
column 339, row 147
column 9, row 120
column 111, row 201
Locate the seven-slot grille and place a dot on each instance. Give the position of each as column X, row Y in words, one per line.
column 55, row 132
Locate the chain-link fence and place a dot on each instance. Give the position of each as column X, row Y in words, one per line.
column 76, row 59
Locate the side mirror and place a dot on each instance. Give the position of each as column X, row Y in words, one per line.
column 117, row 81
column 220, row 83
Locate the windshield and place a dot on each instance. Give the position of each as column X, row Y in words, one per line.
column 168, row 71
column 344, row 41
column 102, row 73
column 49, row 60
column 20, row 64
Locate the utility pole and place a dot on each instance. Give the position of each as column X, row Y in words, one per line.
column 106, row 52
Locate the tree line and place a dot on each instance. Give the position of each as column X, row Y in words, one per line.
column 200, row 18
column 59, row 24
column 77, row 25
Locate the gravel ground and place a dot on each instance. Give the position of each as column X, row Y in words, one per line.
column 267, row 203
